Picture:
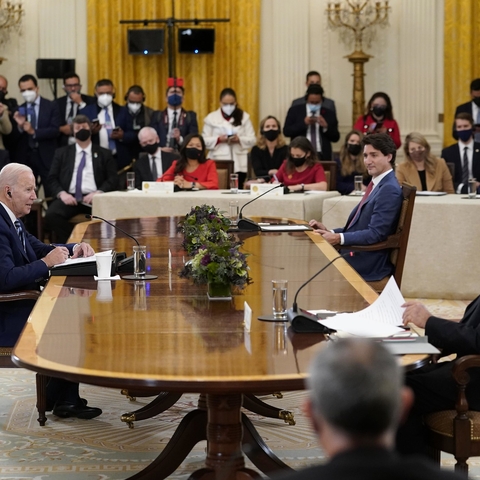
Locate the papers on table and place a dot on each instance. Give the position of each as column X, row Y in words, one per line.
column 76, row 261
column 426, row 193
column 284, row 228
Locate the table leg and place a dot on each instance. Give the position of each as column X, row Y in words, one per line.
column 255, row 405
column 41, row 383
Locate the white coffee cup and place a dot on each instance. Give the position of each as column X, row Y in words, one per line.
column 104, row 264
column 104, row 291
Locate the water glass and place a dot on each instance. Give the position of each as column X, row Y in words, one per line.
column 233, row 209
column 234, row 183
column 130, row 180
column 472, row 188
column 139, row 260
column 279, row 303
column 358, row 184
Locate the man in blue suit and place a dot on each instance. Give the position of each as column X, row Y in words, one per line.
column 376, row 216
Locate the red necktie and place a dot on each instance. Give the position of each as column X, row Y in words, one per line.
column 364, row 199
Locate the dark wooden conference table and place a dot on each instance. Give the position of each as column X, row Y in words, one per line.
column 165, row 335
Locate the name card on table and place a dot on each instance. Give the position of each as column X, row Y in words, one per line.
column 259, row 188
column 157, row 187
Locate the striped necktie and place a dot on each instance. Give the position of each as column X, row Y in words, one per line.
column 21, row 233
column 364, row 199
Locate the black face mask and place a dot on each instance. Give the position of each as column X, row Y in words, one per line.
column 193, row 153
column 298, row 162
column 476, row 101
column 83, row 135
column 271, row 135
column 379, row 110
column 354, row 148
column 150, row 149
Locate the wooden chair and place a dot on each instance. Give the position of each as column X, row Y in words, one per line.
column 224, row 169
column 330, row 168
column 397, row 242
column 456, row 431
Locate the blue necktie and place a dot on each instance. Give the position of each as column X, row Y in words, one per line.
column 78, row 183
column 32, row 118
column 20, row 233
column 108, row 126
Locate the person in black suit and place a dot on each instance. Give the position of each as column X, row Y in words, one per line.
column 78, row 173
column 473, row 108
column 4, row 158
column 174, row 123
column 9, row 140
column 434, row 387
column 314, row 78
column 356, row 400
column 152, row 162
column 69, row 105
column 38, row 120
column 465, row 154
column 25, row 263
column 314, row 121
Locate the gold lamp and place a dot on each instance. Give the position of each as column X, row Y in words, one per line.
column 11, row 13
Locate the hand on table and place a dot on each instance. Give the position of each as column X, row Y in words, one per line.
column 416, row 313
column 83, row 250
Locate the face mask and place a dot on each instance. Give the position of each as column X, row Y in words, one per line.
column 271, row 135
column 228, row 109
column 298, row 162
column 193, row 153
column 83, row 135
column 417, row 156
column 150, row 149
column 354, row 148
column 2, row 96
column 476, row 101
column 134, row 108
column 313, row 107
column 464, row 135
column 379, row 110
column 105, row 100
column 174, row 99
column 29, row 96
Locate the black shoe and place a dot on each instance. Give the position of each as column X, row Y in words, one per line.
column 50, row 405
column 66, row 410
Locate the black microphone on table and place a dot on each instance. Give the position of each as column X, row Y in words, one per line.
column 303, row 321
column 246, row 224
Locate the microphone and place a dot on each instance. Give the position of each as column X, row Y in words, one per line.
column 303, row 321
column 91, row 217
column 245, row 223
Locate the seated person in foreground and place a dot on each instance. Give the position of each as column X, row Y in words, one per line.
column 356, row 400
column 421, row 168
column 25, row 262
column 376, row 216
column 192, row 170
column 301, row 170
column 434, row 387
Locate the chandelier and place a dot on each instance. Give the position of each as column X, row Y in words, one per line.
column 11, row 13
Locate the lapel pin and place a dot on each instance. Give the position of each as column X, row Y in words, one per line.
column 95, row 155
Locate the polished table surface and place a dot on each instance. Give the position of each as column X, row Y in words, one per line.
column 165, row 334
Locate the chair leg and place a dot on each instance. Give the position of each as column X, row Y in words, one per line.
column 41, row 381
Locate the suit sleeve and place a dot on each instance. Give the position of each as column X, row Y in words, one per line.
column 125, row 122
column 110, row 182
column 209, row 133
column 54, row 176
column 192, row 124
column 51, row 131
column 332, row 132
column 294, row 123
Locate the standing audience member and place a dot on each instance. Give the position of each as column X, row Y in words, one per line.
column 152, row 162
column 465, row 154
column 78, row 173
column 10, row 140
column 38, row 120
column 314, row 121
column 421, row 168
column 301, row 171
column 473, row 108
column 5, row 123
column 356, row 401
column 378, row 118
column 174, row 123
column 350, row 164
column 270, row 151
column 229, row 134
column 314, row 78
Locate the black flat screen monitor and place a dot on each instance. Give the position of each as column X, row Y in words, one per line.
column 146, row 41
column 196, row 40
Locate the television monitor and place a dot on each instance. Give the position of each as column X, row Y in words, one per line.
column 54, row 67
column 196, row 40
column 146, row 41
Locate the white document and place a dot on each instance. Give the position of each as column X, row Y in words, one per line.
column 76, row 261
column 380, row 319
column 158, row 187
column 284, row 228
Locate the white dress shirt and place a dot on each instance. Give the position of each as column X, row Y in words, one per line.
column 88, row 179
column 103, row 135
column 461, row 147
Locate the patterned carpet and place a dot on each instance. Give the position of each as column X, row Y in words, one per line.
column 105, row 449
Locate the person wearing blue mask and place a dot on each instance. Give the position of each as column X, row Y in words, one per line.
column 174, row 123
column 314, row 121
column 465, row 154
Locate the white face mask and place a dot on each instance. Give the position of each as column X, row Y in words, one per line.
column 313, row 107
column 105, row 100
column 228, row 109
column 29, row 96
column 134, row 107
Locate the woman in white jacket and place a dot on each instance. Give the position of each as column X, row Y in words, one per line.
column 229, row 134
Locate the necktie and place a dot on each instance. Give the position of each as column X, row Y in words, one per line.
column 174, row 125
column 21, row 233
column 477, row 134
column 78, row 183
column 364, row 199
column 108, row 126
column 465, row 174
column 70, row 112
column 313, row 134
column 154, row 169
column 32, row 118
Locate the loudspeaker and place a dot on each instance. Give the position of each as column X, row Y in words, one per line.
column 54, row 67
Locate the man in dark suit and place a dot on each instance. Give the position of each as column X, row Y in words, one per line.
column 473, row 108
column 314, row 78
column 314, row 121
column 465, row 154
column 356, row 400
column 152, row 162
column 78, row 173
column 25, row 262
column 174, row 123
column 69, row 105
column 39, row 121
column 376, row 216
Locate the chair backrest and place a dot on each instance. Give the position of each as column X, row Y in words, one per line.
column 330, row 168
column 224, row 169
column 451, row 167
